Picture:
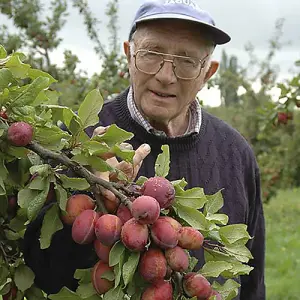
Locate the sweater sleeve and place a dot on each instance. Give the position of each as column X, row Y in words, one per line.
column 253, row 286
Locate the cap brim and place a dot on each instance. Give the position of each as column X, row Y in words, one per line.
column 219, row 36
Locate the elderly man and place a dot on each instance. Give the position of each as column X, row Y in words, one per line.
column 169, row 57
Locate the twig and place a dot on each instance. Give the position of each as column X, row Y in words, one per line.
column 4, row 254
column 92, row 179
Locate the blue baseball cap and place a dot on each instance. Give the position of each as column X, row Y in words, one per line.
column 179, row 9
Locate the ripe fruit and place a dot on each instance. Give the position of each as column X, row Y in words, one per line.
column 75, row 205
column 11, row 295
column 177, row 259
column 124, row 213
column 145, row 209
column 175, row 224
column 102, row 251
column 163, row 234
column 20, row 134
column 158, row 291
column 195, row 284
column 190, row 238
column 134, row 235
column 12, row 204
column 161, row 189
column 108, row 229
column 153, row 265
column 83, row 229
column 101, row 285
column 282, row 118
column 111, row 205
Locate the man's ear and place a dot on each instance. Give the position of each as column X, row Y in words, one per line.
column 214, row 65
column 126, row 48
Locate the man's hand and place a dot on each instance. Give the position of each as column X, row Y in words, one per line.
column 130, row 170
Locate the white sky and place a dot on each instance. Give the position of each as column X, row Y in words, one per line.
column 245, row 20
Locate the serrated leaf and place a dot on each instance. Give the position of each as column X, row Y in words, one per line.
column 130, row 266
column 86, row 290
column 194, row 198
column 64, row 294
column 90, row 108
column 162, row 163
column 38, row 183
column 214, row 204
column 37, row 203
column 27, row 96
column 215, row 268
column 118, row 270
column 114, row 294
column 74, row 183
column 218, row 218
column 25, row 196
column 115, row 253
column 61, row 196
column 141, row 180
column 114, row 135
column 42, row 170
column 232, row 233
column 237, row 270
column 98, row 164
column 24, row 277
column 51, row 224
column 63, row 114
column 192, row 216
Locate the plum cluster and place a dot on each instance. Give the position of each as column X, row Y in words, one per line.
column 141, row 227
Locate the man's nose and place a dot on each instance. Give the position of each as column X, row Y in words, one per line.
column 166, row 73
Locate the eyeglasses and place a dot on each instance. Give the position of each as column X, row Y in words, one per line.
column 184, row 67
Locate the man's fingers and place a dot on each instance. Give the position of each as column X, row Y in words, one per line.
column 140, row 154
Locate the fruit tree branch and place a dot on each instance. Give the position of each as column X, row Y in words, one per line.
column 92, row 179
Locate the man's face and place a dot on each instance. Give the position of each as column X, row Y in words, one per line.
column 163, row 97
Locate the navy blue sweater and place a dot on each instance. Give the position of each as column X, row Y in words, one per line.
column 216, row 158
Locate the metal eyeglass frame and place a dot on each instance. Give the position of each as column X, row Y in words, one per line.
column 202, row 62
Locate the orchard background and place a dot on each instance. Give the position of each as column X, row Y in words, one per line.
column 270, row 125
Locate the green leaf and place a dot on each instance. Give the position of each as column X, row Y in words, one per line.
column 74, row 183
column 228, row 290
column 118, row 270
column 37, row 203
column 18, row 69
column 31, row 92
column 113, row 135
column 214, row 204
column 35, row 73
column 3, row 52
column 38, row 183
column 2, row 187
column 192, row 263
column 25, row 196
column 109, row 275
column 3, row 205
column 194, row 198
column 193, row 217
column 65, row 294
column 34, row 293
column 42, row 170
column 124, row 154
column 130, row 266
column 61, row 196
column 24, row 277
column 96, row 148
column 84, row 275
column 239, row 251
column 63, row 114
column 237, row 269
column 141, row 180
column 86, row 290
column 218, row 219
column 6, row 78
column 51, row 224
column 162, row 164
column 215, row 268
column 232, row 233
column 90, row 108
column 98, row 164
column 114, row 294
column 179, row 185
column 115, row 253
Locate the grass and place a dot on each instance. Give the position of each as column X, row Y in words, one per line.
column 283, row 246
